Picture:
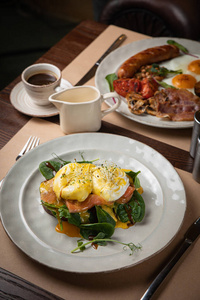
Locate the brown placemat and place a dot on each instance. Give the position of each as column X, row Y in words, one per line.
column 125, row 284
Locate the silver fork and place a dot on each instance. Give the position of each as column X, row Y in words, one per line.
column 30, row 144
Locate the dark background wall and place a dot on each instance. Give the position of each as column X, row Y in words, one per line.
column 30, row 27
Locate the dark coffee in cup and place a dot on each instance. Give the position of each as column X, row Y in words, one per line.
column 42, row 79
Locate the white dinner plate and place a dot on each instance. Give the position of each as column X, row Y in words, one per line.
column 23, row 103
column 33, row 230
column 114, row 60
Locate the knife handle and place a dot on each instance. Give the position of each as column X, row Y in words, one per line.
column 161, row 276
column 114, row 46
column 191, row 235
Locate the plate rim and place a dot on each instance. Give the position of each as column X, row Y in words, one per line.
column 160, row 40
column 45, row 145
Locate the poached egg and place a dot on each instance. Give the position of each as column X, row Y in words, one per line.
column 75, row 181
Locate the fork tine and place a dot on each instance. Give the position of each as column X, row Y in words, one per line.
column 30, row 144
column 35, row 143
column 25, row 146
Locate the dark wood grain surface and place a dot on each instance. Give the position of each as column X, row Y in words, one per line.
column 15, row 287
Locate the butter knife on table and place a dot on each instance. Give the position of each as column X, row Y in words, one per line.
column 190, row 236
column 92, row 71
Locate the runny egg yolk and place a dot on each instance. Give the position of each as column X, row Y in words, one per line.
column 194, row 66
column 184, row 81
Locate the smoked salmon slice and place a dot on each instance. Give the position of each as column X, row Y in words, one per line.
column 92, row 200
column 127, row 195
column 75, row 206
column 47, row 195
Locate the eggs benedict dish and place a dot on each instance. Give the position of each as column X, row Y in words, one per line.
column 89, row 199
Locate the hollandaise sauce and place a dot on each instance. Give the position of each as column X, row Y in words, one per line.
column 68, row 229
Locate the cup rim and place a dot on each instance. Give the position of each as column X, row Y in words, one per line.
column 76, row 103
column 40, row 86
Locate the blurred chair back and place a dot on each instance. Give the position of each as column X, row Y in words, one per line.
column 156, row 18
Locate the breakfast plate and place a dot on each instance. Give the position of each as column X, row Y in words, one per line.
column 113, row 61
column 33, row 230
column 23, row 103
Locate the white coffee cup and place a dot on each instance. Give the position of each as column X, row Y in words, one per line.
column 80, row 108
column 40, row 81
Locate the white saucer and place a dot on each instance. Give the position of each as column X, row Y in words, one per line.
column 23, row 103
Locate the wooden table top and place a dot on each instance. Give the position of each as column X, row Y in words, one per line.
column 11, row 121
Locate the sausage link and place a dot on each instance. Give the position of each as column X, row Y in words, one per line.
column 148, row 56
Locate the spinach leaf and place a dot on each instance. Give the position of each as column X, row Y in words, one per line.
column 48, row 168
column 122, row 213
column 104, row 228
column 132, row 211
column 138, row 209
column 136, row 180
column 110, row 78
column 104, row 217
column 92, row 230
column 72, row 218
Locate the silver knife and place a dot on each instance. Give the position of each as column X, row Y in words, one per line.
column 92, row 71
column 191, row 235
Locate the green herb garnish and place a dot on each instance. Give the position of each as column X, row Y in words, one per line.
column 82, row 246
column 164, row 84
column 181, row 47
column 110, row 78
column 162, row 71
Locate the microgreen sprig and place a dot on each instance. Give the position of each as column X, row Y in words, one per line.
column 82, row 246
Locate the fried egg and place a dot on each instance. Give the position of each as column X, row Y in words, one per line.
column 76, row 181
column 190, row 72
